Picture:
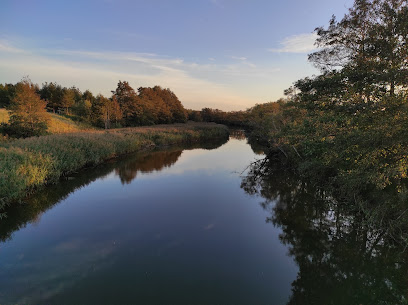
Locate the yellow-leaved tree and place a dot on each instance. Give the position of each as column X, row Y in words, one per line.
column 28, row 116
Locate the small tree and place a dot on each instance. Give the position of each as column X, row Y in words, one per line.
column 68, row 99
column 28, row 116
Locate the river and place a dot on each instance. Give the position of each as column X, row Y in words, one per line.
column 184, row 225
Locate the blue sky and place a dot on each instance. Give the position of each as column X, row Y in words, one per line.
column 226, row 54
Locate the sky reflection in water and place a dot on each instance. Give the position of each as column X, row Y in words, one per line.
column 170, row 227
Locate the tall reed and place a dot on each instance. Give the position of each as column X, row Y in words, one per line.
column 26, row 164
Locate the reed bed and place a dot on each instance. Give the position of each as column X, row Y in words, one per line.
column 27, row 164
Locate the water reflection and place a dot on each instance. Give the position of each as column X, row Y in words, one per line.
column 126, row 167
column 185, row 235
column 155, row 161
column 238, row 134
column 241, row 134
column 342, row 257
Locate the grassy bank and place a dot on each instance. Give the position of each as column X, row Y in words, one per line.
column 26, row 164
column 57, row 124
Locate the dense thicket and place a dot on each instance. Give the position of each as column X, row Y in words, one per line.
column 345, row 129
column 231, row 118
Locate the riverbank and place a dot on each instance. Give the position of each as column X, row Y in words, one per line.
column 27, row 164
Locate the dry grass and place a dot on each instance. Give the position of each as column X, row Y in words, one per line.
column 58, row 123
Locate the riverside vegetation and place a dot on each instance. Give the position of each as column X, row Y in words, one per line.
column 26, row 164
column 344, row 131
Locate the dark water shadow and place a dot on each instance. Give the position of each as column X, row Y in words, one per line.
column 242, row 134
column 126, row 167
column 343, row 258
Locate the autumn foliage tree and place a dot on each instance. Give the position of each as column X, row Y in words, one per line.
column 28, row 116
column 148, row 106
column 126, row 107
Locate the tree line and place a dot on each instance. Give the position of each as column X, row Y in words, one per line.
column 28, row 104
column 125, row 108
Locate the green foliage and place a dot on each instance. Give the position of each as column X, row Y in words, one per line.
column 68, row 99
column 52, row 93
column 83, row 110
column 21, row 171
column 345, row 129
column 352, row 149
column 7, row 92
column 367, row 48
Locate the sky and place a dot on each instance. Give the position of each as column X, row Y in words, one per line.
column 225, row 54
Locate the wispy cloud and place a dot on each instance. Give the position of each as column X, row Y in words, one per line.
column 100, row 72
column 238, row 58
column 8, row 48
column 231, row 84
column 244, row 61
column 302, row 43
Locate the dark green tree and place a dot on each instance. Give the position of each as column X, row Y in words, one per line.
column 7, row 93
column 52, row 93
column 88, row 96
column 365, row 53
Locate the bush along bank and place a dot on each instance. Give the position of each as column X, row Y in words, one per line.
column 27, row 164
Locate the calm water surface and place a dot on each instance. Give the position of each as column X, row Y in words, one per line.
column 185, row 226
column 168, row 227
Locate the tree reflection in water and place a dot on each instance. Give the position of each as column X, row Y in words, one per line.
column 127, row 167
column 155, row 161
column 158, row 160
column 342, row 258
